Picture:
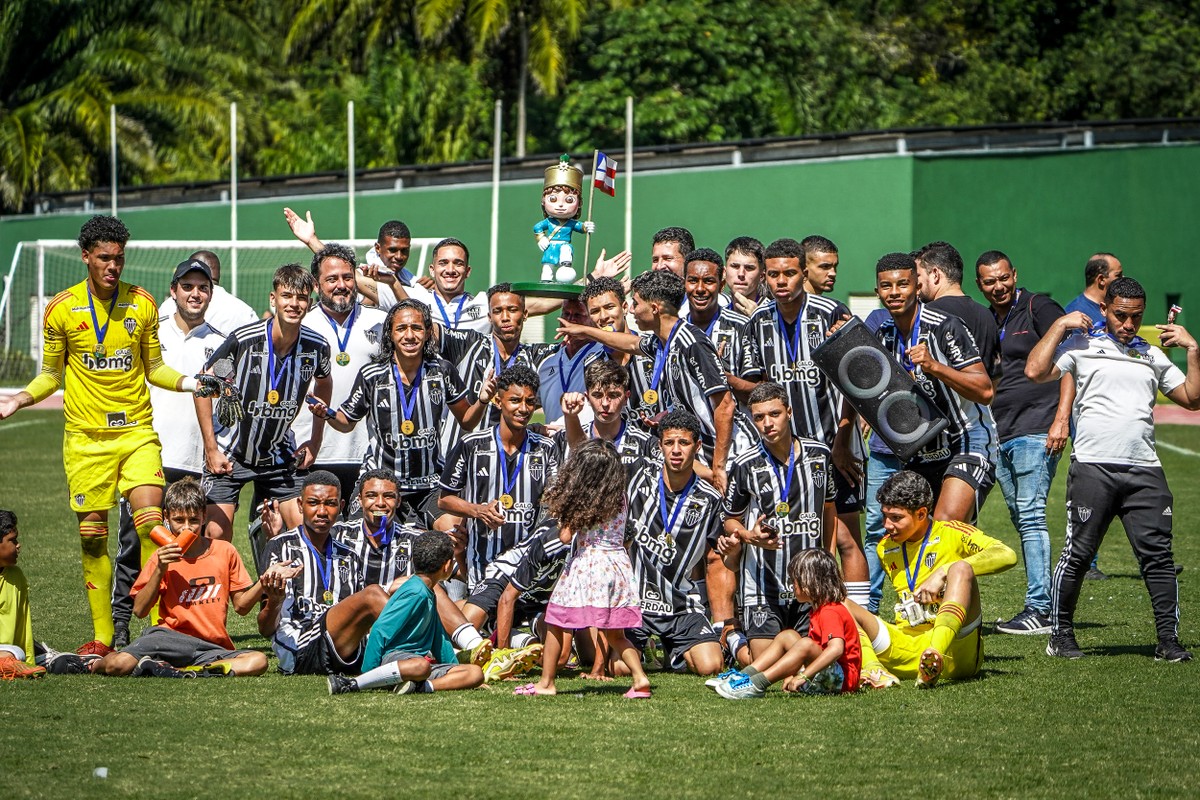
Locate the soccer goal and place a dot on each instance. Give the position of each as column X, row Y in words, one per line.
column 42, row 268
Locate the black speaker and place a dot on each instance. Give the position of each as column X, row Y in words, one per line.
column 879, row 389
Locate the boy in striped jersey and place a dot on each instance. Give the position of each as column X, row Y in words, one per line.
column 780, row 501
column 607, row 385
column 703, row 279
column 605, row 302
column 272, row 363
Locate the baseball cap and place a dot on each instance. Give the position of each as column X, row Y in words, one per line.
column 191, row 265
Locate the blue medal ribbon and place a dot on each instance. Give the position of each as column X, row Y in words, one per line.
column 564, row 377
column 342, row 341
column 384, row 532
column 498, row 364
column 508, row 484
column 462, row 299
column 669, row 521
column 325, row 562
column 96, row 329
column 617, row 441
column 792, row 343
column 777, row 465
column 660, row 358
column 408, row 401
column 712, row 323
column 913, row 340
column 912, row 578
column 272, row 375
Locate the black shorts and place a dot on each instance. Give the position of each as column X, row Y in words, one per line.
column 974, row 469
column 849, row 498
column 678, row 634
column 320, row 657
column 270, row 483
column 768, row 621
column 487, row 597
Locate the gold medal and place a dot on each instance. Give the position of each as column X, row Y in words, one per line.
column 98, row 351
column 407, row 427
column 506, row 501
column 342, row 359
column 782, row 509
column 650, row 396
column 328, row 597
column 273, row 397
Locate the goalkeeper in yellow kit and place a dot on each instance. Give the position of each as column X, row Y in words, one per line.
column 933, row 566
column 100, row 343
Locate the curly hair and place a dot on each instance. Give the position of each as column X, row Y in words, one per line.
column 601, row 286
column 102, row 229
column 590, row 488
column 815, row 573
column 387, row 347
column 661, row 286
column 395, row 229
column 518, row 375
column 890, row 262
column 784, row 248
column 906, row 489
column 704, row 254
column 1125, row 287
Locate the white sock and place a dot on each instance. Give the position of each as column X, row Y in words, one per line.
column 859, row 592
column 882, row 640
column 465, row 636
column 520, row 640
column 386, row 675
column 12, row 649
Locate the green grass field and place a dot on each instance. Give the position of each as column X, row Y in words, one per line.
column 1112, row 724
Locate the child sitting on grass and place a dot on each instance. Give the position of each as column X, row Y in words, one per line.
column 407, row 647
column 827, row 661
column 16, row 625
column 193, row 591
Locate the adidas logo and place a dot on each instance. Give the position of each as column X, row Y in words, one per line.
column 482, row 473
column 1167, row 511
column 83, row 326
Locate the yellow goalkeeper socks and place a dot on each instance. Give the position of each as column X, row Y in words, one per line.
column 949, row 622
column 869, row 658
column 97, row 577
column 144, row 521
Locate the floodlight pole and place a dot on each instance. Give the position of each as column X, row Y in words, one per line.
column 629, row 182
column 233, row 199
column 112, row 157
column 493, row 259
column 350, row 159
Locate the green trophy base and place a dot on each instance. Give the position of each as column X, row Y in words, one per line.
column 560, row 291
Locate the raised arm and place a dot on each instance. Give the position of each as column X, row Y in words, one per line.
column 1040, row 367
column 1186, row 394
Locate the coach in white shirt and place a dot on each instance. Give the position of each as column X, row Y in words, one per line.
column 225, row 312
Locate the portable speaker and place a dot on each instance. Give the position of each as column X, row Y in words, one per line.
column 879, row 389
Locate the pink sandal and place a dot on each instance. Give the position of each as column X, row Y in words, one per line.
column 638, row 694
column 526, row 690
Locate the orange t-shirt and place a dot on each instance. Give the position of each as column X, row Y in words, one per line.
column 194, row 595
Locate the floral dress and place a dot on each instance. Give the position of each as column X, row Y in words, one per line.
column 597, row 588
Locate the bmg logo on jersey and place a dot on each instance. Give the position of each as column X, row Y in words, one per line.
column 120, row 361
column 805, row 372
column 286, row 409
column 806, row 524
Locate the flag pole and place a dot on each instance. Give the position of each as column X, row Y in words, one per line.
column 587, row 242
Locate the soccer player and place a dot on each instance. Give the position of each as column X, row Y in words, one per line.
column 780, row 501
column 383, row 542
column 407, row 646
column 743, row 274
column 192, row 590
column 16, row 623
column 607, row 384
column 272, row 363
column 675, row 520
column 937, row 349
column 933, row 565
column 101, row 335
column 404, row 394
column 702, row 281
column 605, row 302
column 821, row 261
column 495, row 477
column 316, row 617
column 1115, row 471
column 353, row 333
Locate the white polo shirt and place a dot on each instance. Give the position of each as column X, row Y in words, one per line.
column 175, row 412
column 362, row 337
column 225, row 312
column 1115, row 389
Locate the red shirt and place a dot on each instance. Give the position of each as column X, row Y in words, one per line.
column 833, row 621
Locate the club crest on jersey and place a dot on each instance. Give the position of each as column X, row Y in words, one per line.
column 79, row 498
column 373, row 332
column 929, row 559
column 308, row 367
column 758, row 617
column 812, row 331
column 537, row 467
column 473, row 312
column 436, row 394
column 130, row 325
column 818, row 474
column 208, row 351
column 691, row 517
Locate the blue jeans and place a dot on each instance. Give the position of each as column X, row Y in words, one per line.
column 880, row 467
column 1025, row 471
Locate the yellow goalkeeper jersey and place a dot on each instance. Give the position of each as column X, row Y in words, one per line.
column 911, row 563
column 104, row 382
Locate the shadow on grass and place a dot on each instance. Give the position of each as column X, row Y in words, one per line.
column 1122, row 650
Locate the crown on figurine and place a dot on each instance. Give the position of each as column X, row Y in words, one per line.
column 564, row 174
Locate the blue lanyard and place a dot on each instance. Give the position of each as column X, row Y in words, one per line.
column 324, row 565
column 96, row 329
column 617, row 441
column 1003, row 325
column 669, row 522
column 342, row 341
column 385, row 531
column 913, row 340
column 912, row 579
column 564, row 377
column 462, row 298
column 712, row 323
column 408, row 402
column 507, row 483
column 271, row 373
column 791, row 343
column 499, row 365
column 660, row 358
column 776, row 465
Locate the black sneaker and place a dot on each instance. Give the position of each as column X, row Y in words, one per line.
column 151, row 668
column 1064, row 645
column 120, row 637
column 1094, row 574
column 57, row 663
column 1171, row 650
column 1028, row 623
column 340, row 684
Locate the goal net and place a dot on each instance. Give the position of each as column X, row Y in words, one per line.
column 41, row 269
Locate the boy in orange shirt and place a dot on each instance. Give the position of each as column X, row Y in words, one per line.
column 193, row 591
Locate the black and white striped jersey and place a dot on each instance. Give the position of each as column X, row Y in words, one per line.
column 473, row 354
column 474, row 472
column 327, row 578
column 725, row 331
column 692, row 374
column 756, row 488
column 641, row 375
column 666, row 551
column 381, row 564
column 951, row 343
column 263, row 437
column 776, row 351
column 634, row 445
column 415, row 456
column 539, row 562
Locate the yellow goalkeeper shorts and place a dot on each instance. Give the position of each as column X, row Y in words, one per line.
column 963, row 660
column 99, row 465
